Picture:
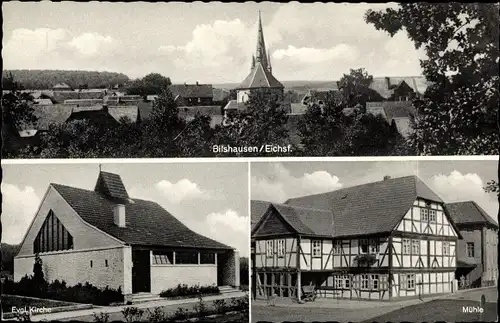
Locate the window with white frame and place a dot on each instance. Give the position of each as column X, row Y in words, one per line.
column 342, row 282
column 406, row 246
column 316, row 248
column 374, row 282
column 424, row 214
column 446, row 248
column 428, row 215
column 364, row 245
column 432, row 216
column 337, row 247
column 269, row 249
column 415, row 247
column 470, row 249
column 365, row 282
column 163, row 258
column 281, row 248
column 374, row 246
column 347, row 281
column 410, row 281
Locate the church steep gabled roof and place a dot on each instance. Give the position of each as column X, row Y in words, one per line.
column 259, row 77
column 147, row 223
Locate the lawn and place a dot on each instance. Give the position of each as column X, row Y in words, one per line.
column 438, row 310
column 239, row 317
column 9, row 301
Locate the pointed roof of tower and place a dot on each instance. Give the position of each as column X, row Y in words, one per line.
column 261, row 55
column 260, row 77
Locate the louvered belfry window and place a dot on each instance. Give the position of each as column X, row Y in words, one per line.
column 52, row 236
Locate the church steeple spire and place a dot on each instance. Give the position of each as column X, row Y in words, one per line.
column 261, row 55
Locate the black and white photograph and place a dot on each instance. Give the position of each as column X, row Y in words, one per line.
column 129, row 242
column 132, row 80
column 374, row 241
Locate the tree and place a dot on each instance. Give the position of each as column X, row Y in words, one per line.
column 17, row 113
column 38, row 275
column 355, row 88
column 263, row 122
column 151, row 84
column 329, row 131
column 459, row 111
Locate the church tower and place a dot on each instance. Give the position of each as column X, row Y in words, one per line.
column 260, row 80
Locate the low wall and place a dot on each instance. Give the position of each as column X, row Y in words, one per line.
column 169, row 276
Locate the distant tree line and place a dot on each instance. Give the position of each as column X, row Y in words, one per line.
column 46, row 79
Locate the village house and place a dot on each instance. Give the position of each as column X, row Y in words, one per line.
column 385, row 240
column 108, row 238
column 62, row 87
column 477, row 262
column 192, row 94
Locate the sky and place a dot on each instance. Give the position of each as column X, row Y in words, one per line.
column 453, row 181
column 210, row 198
column 206, row 42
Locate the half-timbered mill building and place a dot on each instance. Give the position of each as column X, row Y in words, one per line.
column 385, row 240
column 477, row 260
column 106, row 238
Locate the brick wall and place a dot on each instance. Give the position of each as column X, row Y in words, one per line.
column 75, row 267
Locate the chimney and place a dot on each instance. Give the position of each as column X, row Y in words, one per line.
column 119, row 215
column 386, row 177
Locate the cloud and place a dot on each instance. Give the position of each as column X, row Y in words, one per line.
column 57, row 49
column 458, row 187
column 230, row 228
column 280, row 184
column 308, row 55
column 181, row 191
column 216, row 51
column 91, row 43
column 18, row 210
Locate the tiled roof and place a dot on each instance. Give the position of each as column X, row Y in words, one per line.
column 257, row 210
column 192, row 90
column 111, row 185
column 147, row 223
column 369, row 208
column 130, row 112
column 469, row 212
column 259, row 77
column 48, row 114
column 307, row 220
column 392, row 109
column 385, row 85
column 220, row 94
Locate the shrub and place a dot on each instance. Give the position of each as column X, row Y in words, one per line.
column 200, row 307
column 181, row 314
column 58, row 290
column 132, row 314
column 183, row 290
column 220, row 306
column 102, row 317
column 239, row 304
column 157, row 315
column 23, row 316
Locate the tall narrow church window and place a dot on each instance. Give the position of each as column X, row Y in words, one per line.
column 52, row 236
